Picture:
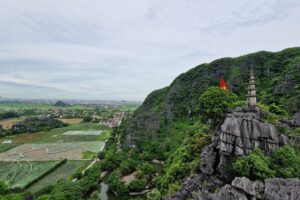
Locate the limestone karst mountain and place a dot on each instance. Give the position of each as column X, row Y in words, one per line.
column 277, row 77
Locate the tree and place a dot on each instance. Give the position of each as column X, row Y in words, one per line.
column 214, row 102
column 117, row 185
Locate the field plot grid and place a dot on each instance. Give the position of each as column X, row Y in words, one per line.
column 51, row 151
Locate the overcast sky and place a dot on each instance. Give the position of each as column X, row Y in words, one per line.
column 116, row 49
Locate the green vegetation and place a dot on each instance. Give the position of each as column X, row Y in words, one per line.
column 88, row 155
column 214, row 103
column 284, row 162
column 5, row 147
column 185, row 160
column 63, row 172
column 57, row 134
column 137, row 185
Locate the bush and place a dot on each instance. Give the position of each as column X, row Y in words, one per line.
column 87, row 119
column 3, row 188
column 277, row 110
column 214, row 102
column 154, row 195
column 286, row 162
column 137, row 185
column 254, row 166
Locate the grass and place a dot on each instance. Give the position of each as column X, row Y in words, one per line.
column 5, row 147
column 71, row 120
column 88, row 155
column 63, row 172
column 23, row 173
column 103, row 136
column 25, row 137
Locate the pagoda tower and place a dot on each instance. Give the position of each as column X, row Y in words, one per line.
column 251, row 97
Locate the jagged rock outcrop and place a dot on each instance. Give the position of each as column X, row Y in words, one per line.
column 282, row 189
column 241, row 132
column 241, row 188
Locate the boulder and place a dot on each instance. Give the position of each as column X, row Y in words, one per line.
column 259, row 188
column 282, row 189
column 244, row 184
column 230, row 193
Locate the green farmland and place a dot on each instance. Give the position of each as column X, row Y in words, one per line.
column 5, row 147
column 57, row 135
column 63, row 172
column 20, row 174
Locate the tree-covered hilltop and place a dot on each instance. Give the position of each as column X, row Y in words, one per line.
column 277, row 79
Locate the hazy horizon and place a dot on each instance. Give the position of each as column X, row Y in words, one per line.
column 101, row 50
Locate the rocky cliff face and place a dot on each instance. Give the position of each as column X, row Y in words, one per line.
column 241, row 188
column 277, row 77
column 241, row 132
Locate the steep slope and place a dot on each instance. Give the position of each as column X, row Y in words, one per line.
column 278, row 81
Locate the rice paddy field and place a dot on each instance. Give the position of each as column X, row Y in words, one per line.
column 5, row 147
column 31, row 155
column 20, row 174
column 63, row 172
column 35, row 160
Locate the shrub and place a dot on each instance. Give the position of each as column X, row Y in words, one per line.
column 154, row 195
column 277, row 110
column 286, row 162
column 137, row 185
column 214, row 102
column 3, row 188
column 254, row 166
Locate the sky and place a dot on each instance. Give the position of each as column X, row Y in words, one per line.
column 123, row 50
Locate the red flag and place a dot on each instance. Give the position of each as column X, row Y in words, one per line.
column 223, row 84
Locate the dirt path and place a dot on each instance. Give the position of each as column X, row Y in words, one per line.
column 90, row 165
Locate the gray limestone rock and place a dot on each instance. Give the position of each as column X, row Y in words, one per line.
column 282, row 189
column 208, row 158
column 259, row 188
column 244, row 184
column 230, row 193
column 241, row 132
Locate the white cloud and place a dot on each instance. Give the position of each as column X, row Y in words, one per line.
column 126, row 49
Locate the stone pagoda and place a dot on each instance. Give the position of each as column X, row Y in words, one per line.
column 251, row 97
